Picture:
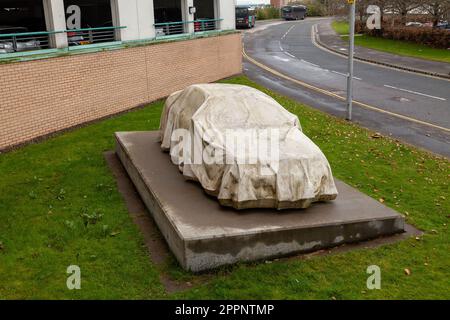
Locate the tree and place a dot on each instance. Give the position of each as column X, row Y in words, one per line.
column 383, row 4
column 361, row 7
column 438, row 9
column 403, row 7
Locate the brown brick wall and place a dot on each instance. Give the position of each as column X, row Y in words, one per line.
column 43, row 96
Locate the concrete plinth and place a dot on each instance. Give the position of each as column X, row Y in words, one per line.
column 203, row 235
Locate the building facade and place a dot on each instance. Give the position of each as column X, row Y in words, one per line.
column 68, row 62
column 278, row 3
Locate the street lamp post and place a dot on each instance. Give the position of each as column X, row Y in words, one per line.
column 350, row 59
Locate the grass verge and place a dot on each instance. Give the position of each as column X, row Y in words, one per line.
column 402, row 48
column 59, row 206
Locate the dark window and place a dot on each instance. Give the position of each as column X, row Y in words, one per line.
column 167, row 11
column 205, row 13
column 91, row 14
column 27, row 14
column 88, row 14
column 22, row 17
column 299, row 9
column 242, row 12
column 204, row 8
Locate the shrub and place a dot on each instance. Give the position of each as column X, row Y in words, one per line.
column 435, row 38
column 315, row 10
column 268, row 13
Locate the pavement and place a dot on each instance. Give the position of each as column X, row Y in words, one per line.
column 413, row 108
column 328, row 38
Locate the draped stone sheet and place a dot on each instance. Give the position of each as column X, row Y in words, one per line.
column 277, row 167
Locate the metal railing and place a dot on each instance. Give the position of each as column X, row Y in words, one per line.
column 202, row 25
column 25, row 41
column 30, row 41
column 170, row 28
column 181, row 27
column 85, row 36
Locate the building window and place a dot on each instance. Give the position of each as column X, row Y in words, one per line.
column 89, row 21
column 22, row 26
column 205, row 15
column 168, row 17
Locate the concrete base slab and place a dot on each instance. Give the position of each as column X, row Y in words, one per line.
column 203, row 235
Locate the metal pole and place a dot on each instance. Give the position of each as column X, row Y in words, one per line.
column 351, row 50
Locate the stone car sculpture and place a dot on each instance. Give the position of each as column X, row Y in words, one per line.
column 244, row 148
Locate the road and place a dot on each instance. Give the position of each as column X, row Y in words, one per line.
column 407, row 106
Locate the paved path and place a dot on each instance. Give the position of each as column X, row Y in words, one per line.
column 411, row 107
column 331, row 40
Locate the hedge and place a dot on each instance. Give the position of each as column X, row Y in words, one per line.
column 436, row 38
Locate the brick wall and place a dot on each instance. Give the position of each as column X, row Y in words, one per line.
column 43, row 96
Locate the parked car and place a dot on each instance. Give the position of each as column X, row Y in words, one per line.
column 76, row 39
column 17, row 43
column 414, row 24
column 443, row 26
column 79, row 38
column 204, row 24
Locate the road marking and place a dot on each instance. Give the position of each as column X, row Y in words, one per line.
column 331, row 94
column 313, row 64
column 314, row 42
column 415, row 92
column 345, row 75
column 279, row 44
column 290, row 55
column 284, row 36
column 281, row 59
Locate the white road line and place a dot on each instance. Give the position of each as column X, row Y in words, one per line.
column 345, row 75
column 340, row 73
column 313, row 64
column 290, row 55
column 279, row 44
column 281, row 59
column 415, row 92
column 289, row 30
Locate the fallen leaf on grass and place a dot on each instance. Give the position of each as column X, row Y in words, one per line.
column 407, row 272
column 113, row 234
column 376, row 135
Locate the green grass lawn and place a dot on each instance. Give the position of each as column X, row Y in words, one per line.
column 402, row 48
column 59, row 206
